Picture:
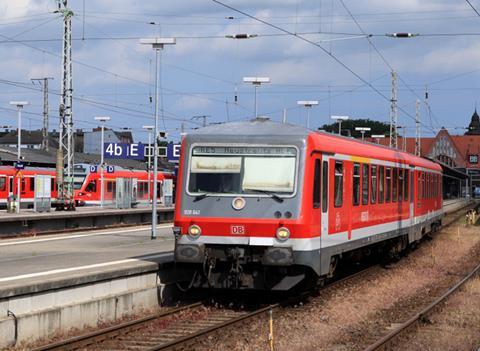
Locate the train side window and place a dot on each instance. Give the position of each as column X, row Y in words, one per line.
column 406, row 179
column 388, row 188
column 22, row 185
column 316, row 185
column 2, row 183
column 365, row 183
column 338, row 186
column 11, row 184
column 32, row 184
column 325, row 187
column 424, row 190
column 419, row 186
column 109, row 187
column 356, row 184
column 400, row 184
column 381, row 184
column 395, row 184
column 52, row 185
column 373, row 185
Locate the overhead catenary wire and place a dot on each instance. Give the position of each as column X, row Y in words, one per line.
column 331, row 55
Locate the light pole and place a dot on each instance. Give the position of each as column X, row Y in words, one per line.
column 102, row 119
column 339, row 119
column 256, row 81
column 308, row 105
column 20, row 105
column 363, row 130
column 377, row 137
column 149, row 156
column 157, row 44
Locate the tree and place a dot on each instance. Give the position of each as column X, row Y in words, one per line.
column 349, row 125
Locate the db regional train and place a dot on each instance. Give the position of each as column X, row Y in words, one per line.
column 264, row 205
column 86, row 184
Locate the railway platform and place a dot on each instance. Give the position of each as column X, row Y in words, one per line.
column 58, row 282
column 31, row 223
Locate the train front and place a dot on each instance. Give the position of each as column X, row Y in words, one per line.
column 237, row 217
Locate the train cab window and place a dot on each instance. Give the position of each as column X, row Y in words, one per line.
column 373, row 185
column 338, row 186
column 91, row 187
column 316, row 184
column 388, row 187
column 356, row 184
column 400, row 185
column 325, row 187
column 406, row 179
column 365, row 182
column 2, row 183
column 381, row 184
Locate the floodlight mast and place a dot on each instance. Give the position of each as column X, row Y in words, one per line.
column 378, row 137
column 256, row 81
column 308, row 104
column 339, row 119
column 362, row 130
column 102, row 119
column 157, row 44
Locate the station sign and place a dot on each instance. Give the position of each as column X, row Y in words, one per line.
column 124, row 151
column 173, row 152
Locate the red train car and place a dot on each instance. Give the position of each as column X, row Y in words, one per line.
column 87, row 185
column 268, row 205
column 8, row 184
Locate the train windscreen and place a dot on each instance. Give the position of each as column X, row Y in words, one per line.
column 242, row 170
column 78, row 180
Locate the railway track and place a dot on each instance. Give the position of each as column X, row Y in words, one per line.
column 421, row 316
column 179, row 327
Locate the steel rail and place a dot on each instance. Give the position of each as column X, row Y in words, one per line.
column 421, row 315
column 102, row 334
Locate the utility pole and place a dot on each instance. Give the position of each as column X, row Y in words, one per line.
column 45, row 110
column 417, row 128
column 393, row 113
column 66, row 148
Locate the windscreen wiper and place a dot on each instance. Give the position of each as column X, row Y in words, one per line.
column 201, row 197
column 270, row 193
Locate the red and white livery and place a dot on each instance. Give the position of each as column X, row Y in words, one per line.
column 268, row 205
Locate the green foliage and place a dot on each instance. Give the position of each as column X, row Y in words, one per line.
column 350, row 124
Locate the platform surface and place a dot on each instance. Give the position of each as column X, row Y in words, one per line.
column 28, row 262
column 80, row 211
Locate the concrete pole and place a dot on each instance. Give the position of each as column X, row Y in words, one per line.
column 102, row 187
column 256, row 106
column 149, row 165
column 19, row 154
column 155, row 150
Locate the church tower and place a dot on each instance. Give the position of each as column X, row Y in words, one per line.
column 474, row 127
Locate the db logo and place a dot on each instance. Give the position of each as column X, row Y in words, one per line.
column 237, row 230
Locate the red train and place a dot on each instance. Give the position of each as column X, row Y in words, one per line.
column 267, row 205
column 86, row 184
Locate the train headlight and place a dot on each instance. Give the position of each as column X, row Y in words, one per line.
column 194, row 231
column 283, row 234
column 238, row 203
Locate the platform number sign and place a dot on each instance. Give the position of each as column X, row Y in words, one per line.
column 124, row 151
column 473, row 159
column 93, row 169
column 110, row 169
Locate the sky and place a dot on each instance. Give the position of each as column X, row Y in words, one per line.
column 333, row 51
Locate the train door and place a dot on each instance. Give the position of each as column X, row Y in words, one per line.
column 325, row 197
column 411, row 231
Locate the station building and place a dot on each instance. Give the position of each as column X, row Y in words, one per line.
column 459, row 154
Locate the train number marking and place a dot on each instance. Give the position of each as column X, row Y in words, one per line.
column 237, row 229
column 191, row 212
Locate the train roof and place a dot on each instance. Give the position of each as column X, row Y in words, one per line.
column 330, row 143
